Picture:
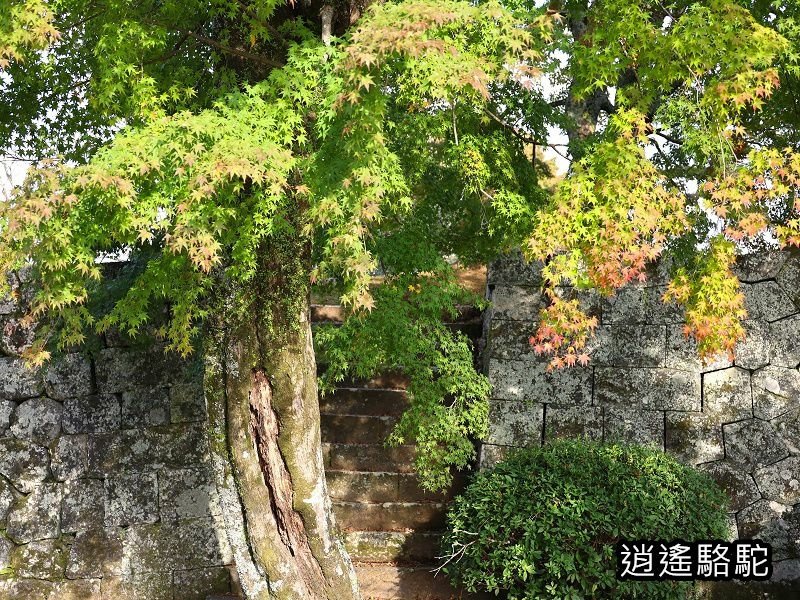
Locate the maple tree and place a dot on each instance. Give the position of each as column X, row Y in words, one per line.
column 241, row 152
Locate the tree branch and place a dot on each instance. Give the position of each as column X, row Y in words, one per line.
column 238, row 52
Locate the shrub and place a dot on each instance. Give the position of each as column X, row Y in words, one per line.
column 544, row 522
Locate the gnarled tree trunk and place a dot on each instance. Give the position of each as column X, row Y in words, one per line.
column 261, row 394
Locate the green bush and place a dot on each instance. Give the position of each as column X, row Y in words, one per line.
column 544, row 522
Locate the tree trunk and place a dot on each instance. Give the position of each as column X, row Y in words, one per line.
column 261, row 394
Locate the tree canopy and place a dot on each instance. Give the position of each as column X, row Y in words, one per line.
column 187, row 133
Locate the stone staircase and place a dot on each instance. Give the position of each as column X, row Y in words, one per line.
column 392, row 527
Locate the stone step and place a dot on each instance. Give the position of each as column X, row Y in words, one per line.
column 391, row 380
column 393, row 546
column 377, row 487
column 333, row 313
column 390, row 516
column 346, row 401
column 369, row 457
column 355, row 429
column 388, row 582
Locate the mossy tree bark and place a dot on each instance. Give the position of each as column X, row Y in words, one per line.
column 261, row 394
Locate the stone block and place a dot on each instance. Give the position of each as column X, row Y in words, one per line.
column 5, row 553
column 390, row 516
column 41, row 559
column 515, row 423
column 68, row 376
column 759, row 266
column 573, row 422
column 753, row 443
column 37, row 419
column 363, row 487
column 83, row 506
column 776, row 390
column 137, row 586
column 98, row 553
column 629, row 346
column 24, row 464
column 188, row 544
column 121, row 369
column 738, row 485
column 6, row 500
column 788, row 428
column 197, row 584
column 683, row 355
column 780, row 481
column 187, row 493
column 491, row 454
column 27, row 589
column 766, row 301
column 187, row 403
column 789, row 279
column 638, row 304
column 6, row 410
column 18, row 381
column 513, row 269
column 517, row 303
column 693, row 438
column 16, row 335
column 70, row 456
column 727, row 395
column 390, row 546
column 143, row 407
column 755, row 350
column 773, row 523
column 528, row 380
column 92, row 414
column 510, row 340
column 131, row 499
column 81, row 589
column 649, row 389
column 633, row 426
column 785, row 340
column 37, row 515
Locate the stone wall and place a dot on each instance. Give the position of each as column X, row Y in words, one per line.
column 106, row 489
column 739, row 421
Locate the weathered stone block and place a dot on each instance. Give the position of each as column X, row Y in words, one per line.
column 98, row 553
column 789, row 279
column 739, row 486
column 37, row 515
column 188, row 544
column 766, row 301
column 68, row 376
column 92, row 414
column 197, row 584
column 18, row 381
column 573, row 422
column 83, row 505
column 118, row 369
column 682, row 353
column 759, row 266
column 131, row 499
column 6, row 500
column 788, row 428
column 16, row 335
column 81, row 589
column 635, row 304
column 189, row 493
column 785, row 341
column 70, row 457
column 755, row 350
column 776, row 390
column 42, row 559
column 650, row 389
column 137, row 586
column 516, row 303
column 771, row 522
column 727, row 395
column 361, row 487
column 753, row 443
column 510, row 340
column 525, row 380
column 633, row 426
column 388, row 546
column 490, row 455
column 24, row 464
column 513, row 269
column 187, row 403
column 780, row 481
column 6, row 410
column 5, row 553
column 37, row 419
column 143, row 406
column 630, row 346
column 515, row 423
column 694, row 438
